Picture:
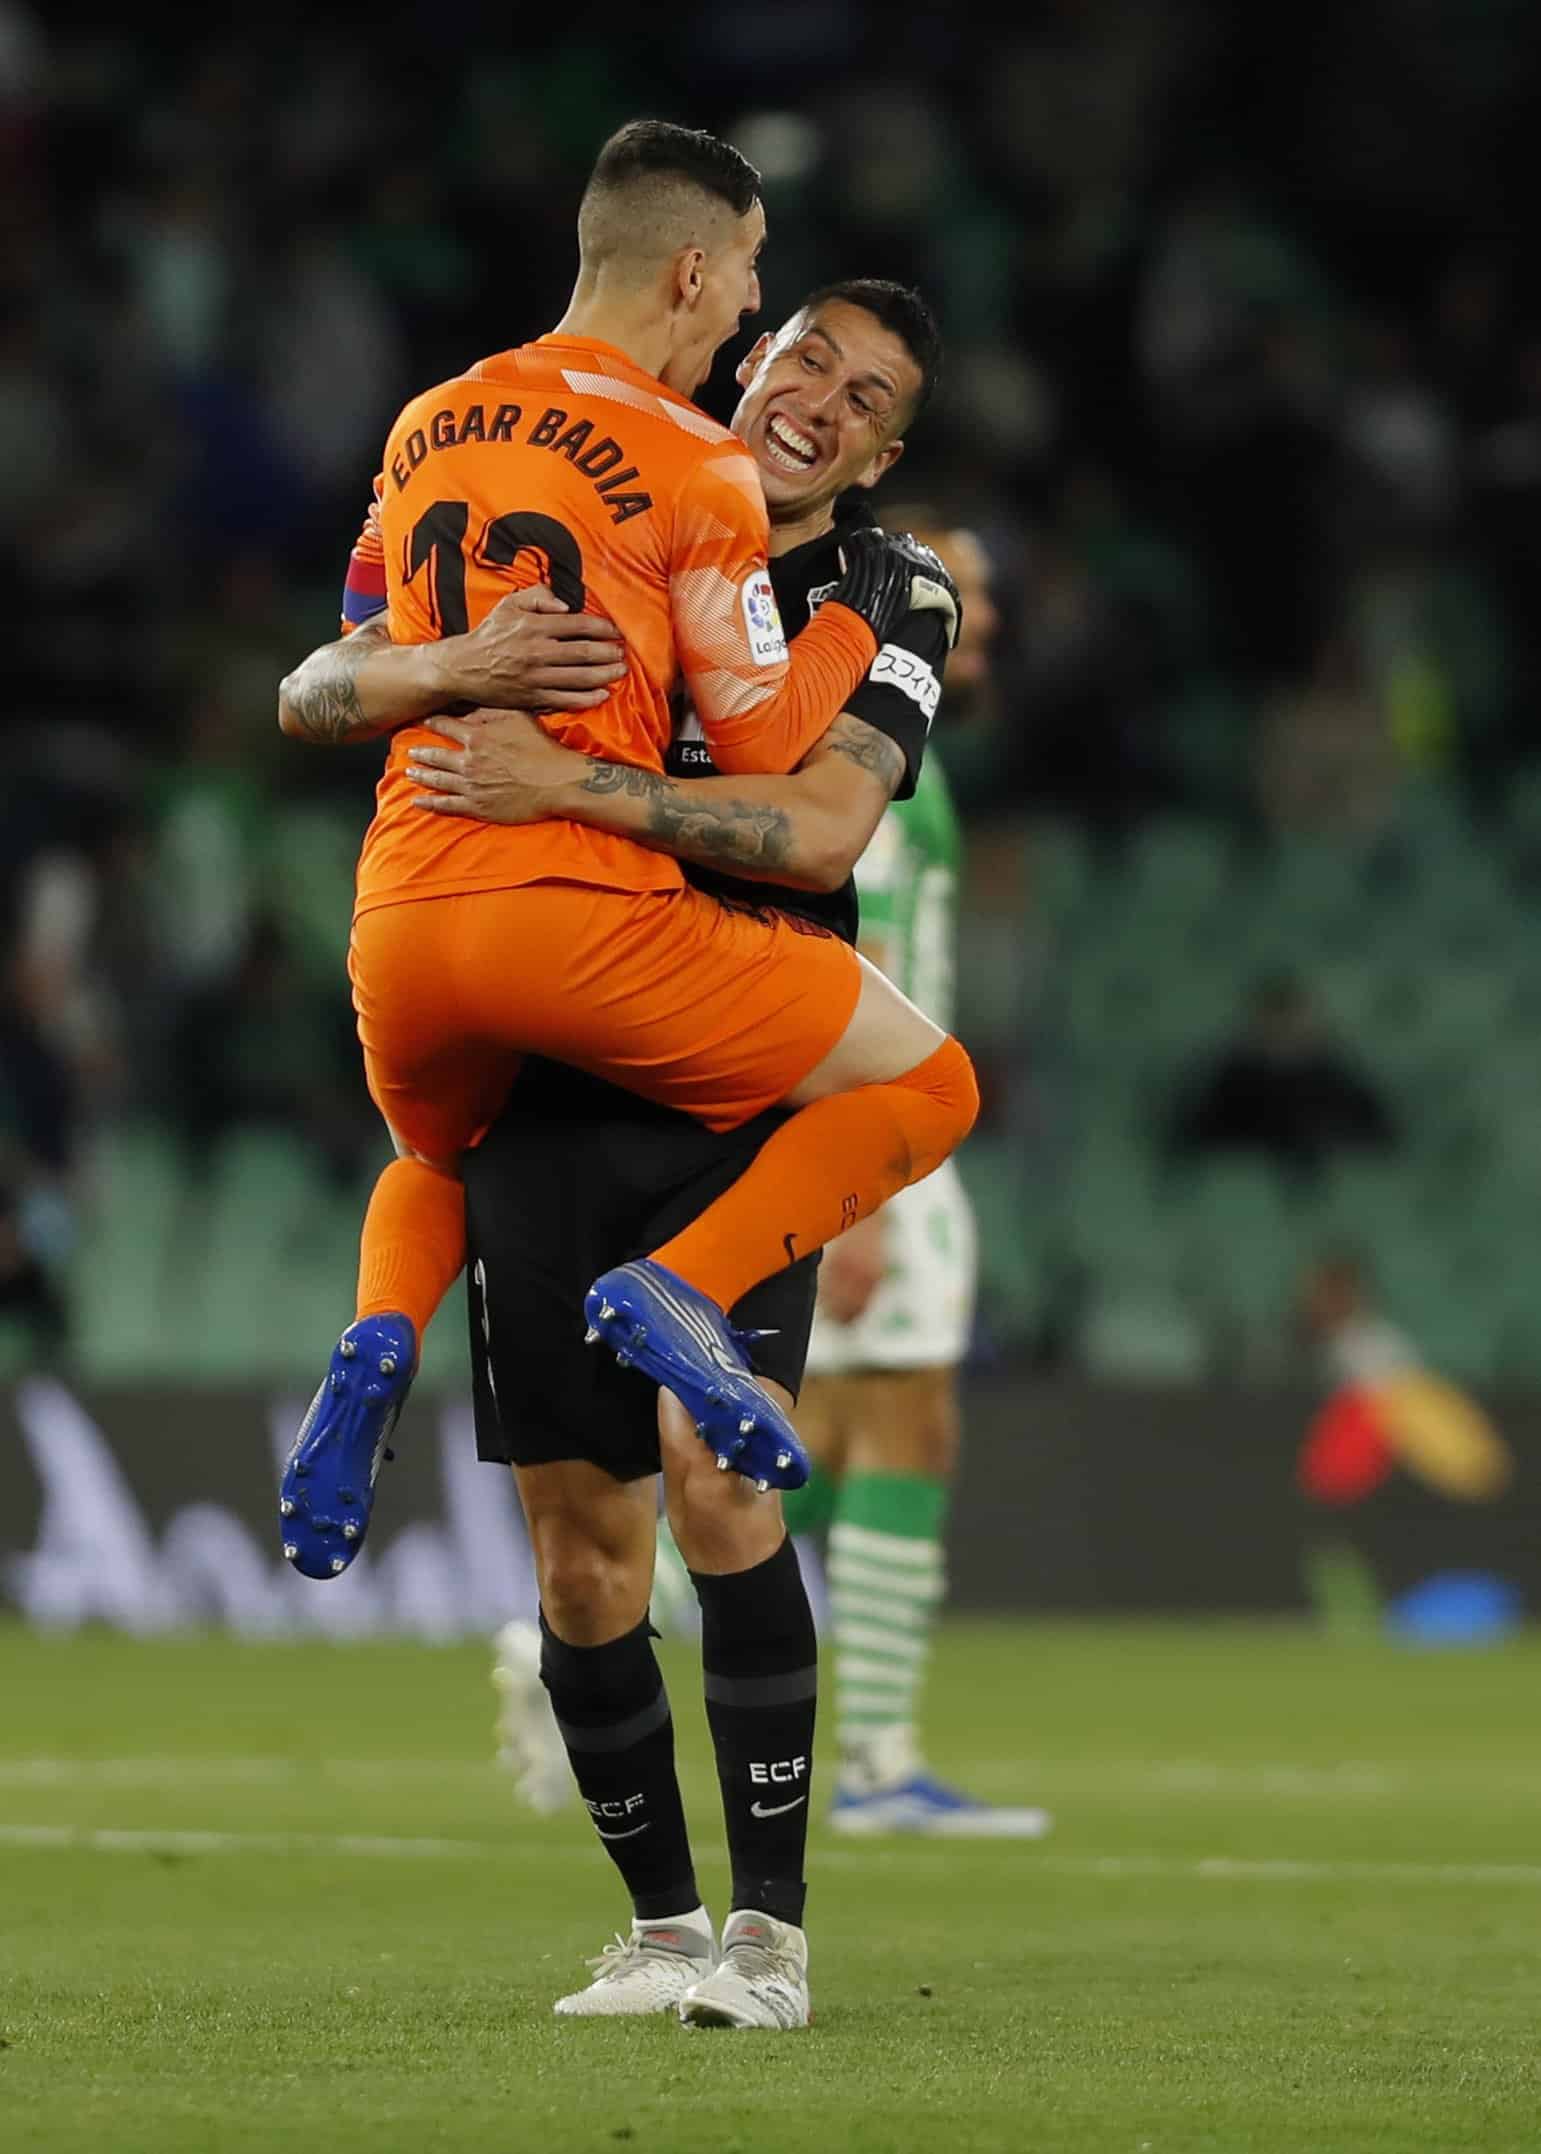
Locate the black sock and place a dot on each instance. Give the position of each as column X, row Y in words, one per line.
column 759, row 1651
column 613, row 1712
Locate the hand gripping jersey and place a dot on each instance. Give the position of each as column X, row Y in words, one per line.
column 562, row 461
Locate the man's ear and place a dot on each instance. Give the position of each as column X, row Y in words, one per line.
column 753, row 359
column 883, row 462
column 688, row 277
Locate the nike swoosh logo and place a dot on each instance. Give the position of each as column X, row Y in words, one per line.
column 780, row 1809
column 622, row 1835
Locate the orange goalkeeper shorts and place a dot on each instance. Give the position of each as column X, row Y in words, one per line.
column 715, row 1009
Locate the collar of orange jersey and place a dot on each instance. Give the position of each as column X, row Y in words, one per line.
column 597, row 348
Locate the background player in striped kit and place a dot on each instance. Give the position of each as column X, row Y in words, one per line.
column 879, row 1411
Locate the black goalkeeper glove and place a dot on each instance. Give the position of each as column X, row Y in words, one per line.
column 889, row 574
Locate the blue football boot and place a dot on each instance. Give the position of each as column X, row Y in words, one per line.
column 930, row 1809
column 328, row 1485
column 680, row 1338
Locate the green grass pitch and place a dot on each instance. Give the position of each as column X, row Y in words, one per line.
column 1292, row 1901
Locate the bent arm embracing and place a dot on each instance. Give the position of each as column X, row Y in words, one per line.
column 806, row 830
column 529, row 653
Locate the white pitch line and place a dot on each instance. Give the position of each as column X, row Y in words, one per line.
column 1239, row 1869
column 1203, row 1869
column 1207, row 1869
column 1366, row 1780
column 103, row 1840
column 173, row 1771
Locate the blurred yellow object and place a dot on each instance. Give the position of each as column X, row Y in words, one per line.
column 1443, row 1436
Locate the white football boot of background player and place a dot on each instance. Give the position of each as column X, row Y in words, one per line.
column 530, row 1745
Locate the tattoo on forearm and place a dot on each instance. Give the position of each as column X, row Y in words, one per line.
column 863, row 744
column 323, row 692
column 716, row 833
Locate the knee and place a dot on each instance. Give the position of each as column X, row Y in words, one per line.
column 589, row 1593
column 948, row 1082
column 962, row 1089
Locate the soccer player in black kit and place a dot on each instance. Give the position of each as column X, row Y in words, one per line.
column 582, row 1176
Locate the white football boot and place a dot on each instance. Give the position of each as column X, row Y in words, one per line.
column 530, row 1746
column 649, row 1971
column 760, row 1981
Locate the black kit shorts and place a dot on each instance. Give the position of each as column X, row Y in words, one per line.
column 574, row 1177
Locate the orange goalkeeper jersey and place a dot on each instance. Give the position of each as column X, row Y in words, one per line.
column 564, row 462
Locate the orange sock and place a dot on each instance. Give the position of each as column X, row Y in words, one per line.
column 830, row 1165
column 413, row 1244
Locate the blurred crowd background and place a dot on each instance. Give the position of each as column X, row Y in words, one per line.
column 1244, row 401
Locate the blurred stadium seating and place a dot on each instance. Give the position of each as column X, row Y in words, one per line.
column 1127, row 967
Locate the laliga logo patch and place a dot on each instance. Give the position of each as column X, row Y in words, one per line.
column 762, row 618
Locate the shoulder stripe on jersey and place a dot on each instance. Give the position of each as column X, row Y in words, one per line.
column 694, row 422
column 627, row 392
column 618, row 392
column 738, row 470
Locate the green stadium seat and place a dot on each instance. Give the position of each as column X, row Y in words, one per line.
column 124, row 1317
column 1301, row 886
column 1015, row 1225
column 1237, row 1239
column 1517, row 1342
column 1361, row 1195
column 1177, row 869
column 1059, row 872
column 262, row 1200
column 1145, row 1339
column 992, row 983
column 308, row 869
column 1347, row 987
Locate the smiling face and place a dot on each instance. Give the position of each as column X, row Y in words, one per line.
column 825, row 401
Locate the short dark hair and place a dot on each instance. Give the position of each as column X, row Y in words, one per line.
column 901, row 309
column 657, row 149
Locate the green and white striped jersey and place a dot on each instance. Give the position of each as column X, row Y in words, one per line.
column 907, row 881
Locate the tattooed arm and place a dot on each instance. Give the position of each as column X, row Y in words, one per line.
column 320, row 701
column 529, row 653
column 807, row 830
